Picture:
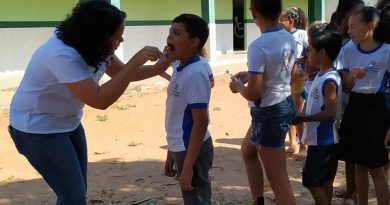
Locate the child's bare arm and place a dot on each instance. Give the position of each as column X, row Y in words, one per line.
column 251, row 91
column 330, row 100
column 200, row 120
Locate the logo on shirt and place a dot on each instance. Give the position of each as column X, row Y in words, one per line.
column 287, row 55
column 175, row 90
column 314, row 93
column 261, row 68
column 372, row 67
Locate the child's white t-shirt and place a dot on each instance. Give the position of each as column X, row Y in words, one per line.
column 42, row 103
column 321, row 133
column 273, row 55
column 188, row 88
column 376, row 62
column 301, row 39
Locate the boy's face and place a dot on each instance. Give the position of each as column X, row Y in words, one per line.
column 179, row 40
column 313, row 55
column 284, row 21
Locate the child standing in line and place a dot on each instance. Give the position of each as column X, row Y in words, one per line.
column 271, row 58
column 365, row 120
column 320, row 133
column 186, row 120
column 295, row 22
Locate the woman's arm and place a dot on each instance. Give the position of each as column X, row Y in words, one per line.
column 101, row 97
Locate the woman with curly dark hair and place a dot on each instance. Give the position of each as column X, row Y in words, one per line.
column 61, row 77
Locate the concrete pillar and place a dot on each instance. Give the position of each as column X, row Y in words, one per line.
column 208, row 14
column 317, row 11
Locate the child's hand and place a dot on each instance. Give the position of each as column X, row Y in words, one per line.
column 242, row 76
column 387, row 139
column 358, row 73
column 234, row 84
column 186, row 180
column 168, row 169
column 298, row 119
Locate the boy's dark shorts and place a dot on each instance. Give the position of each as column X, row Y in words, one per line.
column 320, row 165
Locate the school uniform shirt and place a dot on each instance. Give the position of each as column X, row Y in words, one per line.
column 188, row 88
column 273, row 55
column 203, row 60
column 321, row 133
column 301, row 40
column 376, row 63
column 338, row 64
column 42, row 104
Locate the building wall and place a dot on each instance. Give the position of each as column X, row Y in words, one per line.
column 26, row 24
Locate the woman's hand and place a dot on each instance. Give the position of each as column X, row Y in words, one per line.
column 148, row 53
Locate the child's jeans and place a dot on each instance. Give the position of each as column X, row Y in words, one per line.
column 61, row 159
column 201, row 195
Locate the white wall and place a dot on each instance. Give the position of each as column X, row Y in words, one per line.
column 331, row 5
column 18, row 44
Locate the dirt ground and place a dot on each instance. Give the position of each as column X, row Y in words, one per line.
column 127, row 150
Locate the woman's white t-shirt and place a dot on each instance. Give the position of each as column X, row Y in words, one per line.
column 42, row 103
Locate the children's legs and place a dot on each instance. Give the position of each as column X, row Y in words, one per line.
column 253, row 167
column 292, row 139
column 362, row 184
column 200, row 181
column 381, row 187
column 298, row 129
column 302, row 148
column 350, row 180
column 274, row 161
column 319, row 195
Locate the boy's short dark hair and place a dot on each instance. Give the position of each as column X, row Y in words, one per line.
column 195, row 26
column 269, row 9
column 329, row 41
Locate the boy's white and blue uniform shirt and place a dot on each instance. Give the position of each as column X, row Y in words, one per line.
column 322, row 133
column 273, row 55
column 188, row 88
column 376, row 63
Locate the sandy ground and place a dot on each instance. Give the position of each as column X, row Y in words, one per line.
column 127, row 150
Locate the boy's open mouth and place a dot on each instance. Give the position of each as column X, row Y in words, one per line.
column 171, row 47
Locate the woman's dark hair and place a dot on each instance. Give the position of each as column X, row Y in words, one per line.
column 299, row 17
column 381, row 20
column 332, row 24
column 269, row 9
column 344, row 7
column 329, row 41
column 89, row 29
